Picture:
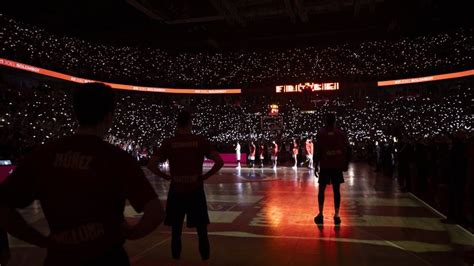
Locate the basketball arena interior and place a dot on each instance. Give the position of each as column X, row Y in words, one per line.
column 259, row 79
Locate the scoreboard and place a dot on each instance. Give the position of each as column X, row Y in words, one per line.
column 308, row 86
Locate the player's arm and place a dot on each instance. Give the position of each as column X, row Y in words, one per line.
column 348, row 152
column 316, row 160
column 18, row 191
column 218, row 163
column 143, row 198
column 156, row 158
column 317, row 154
column 153, row 216
column 469, row 184
column 13, row 223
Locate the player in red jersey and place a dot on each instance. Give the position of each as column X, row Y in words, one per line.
column 186, row 196
column 295, row 153
column 332, row 157
column 274, row 156
column 252, row 150
column 82, row 183
column 261, row 154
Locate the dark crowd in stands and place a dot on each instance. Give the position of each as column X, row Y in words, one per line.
column 32, row 116
column 370, row 60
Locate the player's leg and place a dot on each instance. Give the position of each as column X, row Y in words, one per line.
column 337, row 201
column 319, row 218
column 204, row 248
column 176, row 231
column 322, row 188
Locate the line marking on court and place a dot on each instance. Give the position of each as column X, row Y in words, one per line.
column 427, row 205
column 411, row 246
column 439, row 213
column 140, row 256
column 233, row 206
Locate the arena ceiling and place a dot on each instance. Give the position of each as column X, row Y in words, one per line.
column 236, row 24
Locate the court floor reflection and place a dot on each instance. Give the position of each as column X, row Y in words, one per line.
column 265, row 217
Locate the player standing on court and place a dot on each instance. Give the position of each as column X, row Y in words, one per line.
column 82, row 183
column 295, row 153
column 332, row 157
column 237, row 154
column 185, row 153
column 274, row 155
column 252, row 150
column 309, row 152
column 261, row 154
